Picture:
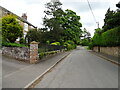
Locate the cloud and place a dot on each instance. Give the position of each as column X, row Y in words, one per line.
column 35, row 8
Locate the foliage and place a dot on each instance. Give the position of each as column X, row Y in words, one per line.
column 55, row 43
column 118, row 5
column 11, row 29
column 71, row 25
column 43, row 54
column 61, row 25
column 112, row 20
column 97, row 39
column 85, row 42
column 33, row 35
column 108, row 38
column 111, row 37
column 22, row 41
column 13, row 44
column 86, row 37
column 90, row 46
column 70, row 45
column 51, row 21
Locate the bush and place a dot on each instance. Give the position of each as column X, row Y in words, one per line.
column 90, row 46
column 11, row 29
column 22, row 41
column 97, row 40
column 69, row 45
column 13, row 44
column 85, row 42
column 56, row 43
column 41, row 55
column 109, row 38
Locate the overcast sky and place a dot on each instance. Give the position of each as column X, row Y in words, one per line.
column 35, row 9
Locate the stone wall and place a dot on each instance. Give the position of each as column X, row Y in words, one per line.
column 23, row 53
column 113, row 51
column 20, row 53
column 96, row 49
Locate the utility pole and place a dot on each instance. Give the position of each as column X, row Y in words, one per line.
column 97, row 24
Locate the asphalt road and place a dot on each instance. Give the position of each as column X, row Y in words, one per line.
column 17, row 74
column 81, row 69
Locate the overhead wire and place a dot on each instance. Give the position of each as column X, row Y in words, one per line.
column 93, row 13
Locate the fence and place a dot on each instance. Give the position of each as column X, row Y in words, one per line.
column 47, row 48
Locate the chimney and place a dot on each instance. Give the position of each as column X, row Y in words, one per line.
column 24, row 16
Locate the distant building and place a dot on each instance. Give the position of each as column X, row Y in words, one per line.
column 23, row 20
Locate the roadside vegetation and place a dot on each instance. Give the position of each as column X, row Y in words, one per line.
column 109, row 34
column 11, row 30
column 61, row 28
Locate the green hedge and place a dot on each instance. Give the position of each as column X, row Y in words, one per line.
column 43, row 54
column 85, row 42
column 111, row 37
column 13, row 44
column 108, row 38
column 70, row 45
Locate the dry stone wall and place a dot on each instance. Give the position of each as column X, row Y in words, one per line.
column 20, row 53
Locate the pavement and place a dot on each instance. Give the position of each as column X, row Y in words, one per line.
column 81, row 69
column 110, row 58
column 17, row 74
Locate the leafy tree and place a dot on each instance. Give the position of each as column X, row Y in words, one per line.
column 98, row 31
column 86, row 37
column 86, row 34
column 51, row 21
column 33, row 35
column 71, row 25
column 62, row 25
column 11, row 29
column 118, row 5
column 108, row 20
column 112, row 20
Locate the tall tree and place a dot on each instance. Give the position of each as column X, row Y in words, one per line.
column 108, row 20
column 112, row 19
column 52, row 20
column 118, row 5
column 70, row 23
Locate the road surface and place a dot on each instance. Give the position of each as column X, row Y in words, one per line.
column 17, row 74
column 81, row 69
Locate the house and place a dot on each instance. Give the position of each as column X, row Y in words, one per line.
column 23, row 20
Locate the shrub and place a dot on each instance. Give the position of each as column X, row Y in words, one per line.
column 11, row 29
column 69, row 45
column 97, row 39
column 85, row 42
column 13, row 44
column 109, row 38
column 22, row 41
column 56, row 43
column 41, row 55
column 90, row 46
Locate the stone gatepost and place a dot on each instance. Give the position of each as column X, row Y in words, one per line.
column 34, row 52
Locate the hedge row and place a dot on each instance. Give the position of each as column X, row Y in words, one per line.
column 108, row 38
column 6, row 44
